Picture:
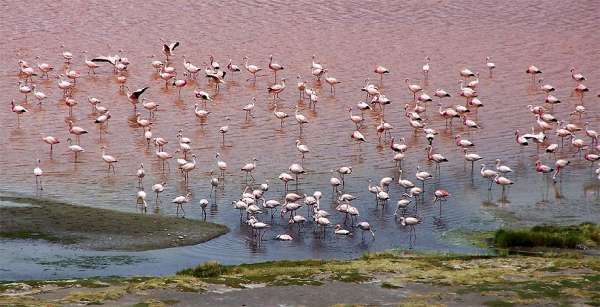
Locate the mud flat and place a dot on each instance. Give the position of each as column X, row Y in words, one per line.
column 98, row 229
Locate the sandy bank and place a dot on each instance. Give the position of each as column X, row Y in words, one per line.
column 99, row 229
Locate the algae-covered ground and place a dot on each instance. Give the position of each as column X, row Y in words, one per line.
column 393, row 278
column 99, row 229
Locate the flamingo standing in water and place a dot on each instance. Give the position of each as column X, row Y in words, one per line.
column 108, row 159
column 490, row 65
column 332, row 82
column 252, row 69
column 37, row 172
column 440, row 195
column 50, row 140
column 274, row 67
column 533, row 71
column 426, row 68
column 18, row 109
column 381, row 70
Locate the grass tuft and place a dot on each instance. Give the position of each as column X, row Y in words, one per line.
column 575, row 236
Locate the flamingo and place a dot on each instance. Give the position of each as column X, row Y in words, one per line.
column 223, row 130
column 179, row 83
column 502, row 181
column 447, row 114
column 332, row 82
column 533, row 71
column 413, row 88
column 559, row 165
column 300, row 118
column 356, row 119
column 502, row 168
column 249, row 167
column 249, row 107
column 426, row 68
column 460, row 142
column 232, row 67
column 76, row 130
column 283, row 237
column 338, row 230
column 188, row 167
column 180, row 200
column 470, row 123
column 74, row 148
column 164, row 157
column 37, row 172
column 343, row 171
column 50, row 140
column 45, row 68
column 546, row 88
column 141, row 200
column 488, row 174
column 577, row 76
column 435, row 157
column 40, row 96
column 592, row 134
column 422, row 176
column 466, row 73
column 108, row 159
column 296, row 169
column 440, row 93
column 521, row 140
column 381, row 70
column 471, row 157
column 591, row 158
column 365, row 226
column 281, row 116
column 134, row 96
column 24, row 89
column 405, row 183
column 277, row 88
column 490, row 65
column 285, row 177
column 550, row 99
column 302, row 148
column 440, row 195
column 252, row 69
column 168, row 49
column 274, row 67
column 158, row 188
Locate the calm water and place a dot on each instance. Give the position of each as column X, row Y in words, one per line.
column 350, row 38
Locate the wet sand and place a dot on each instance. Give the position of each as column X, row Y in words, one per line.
column 99, row 229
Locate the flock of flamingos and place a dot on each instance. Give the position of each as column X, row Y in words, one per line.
column 549, row 136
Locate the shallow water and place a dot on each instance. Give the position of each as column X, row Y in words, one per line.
column 350, row 38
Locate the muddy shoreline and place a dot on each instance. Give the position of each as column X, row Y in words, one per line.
column 99, row 229
column 396, row 278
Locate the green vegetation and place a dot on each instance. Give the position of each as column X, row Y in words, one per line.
column 576, row 236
